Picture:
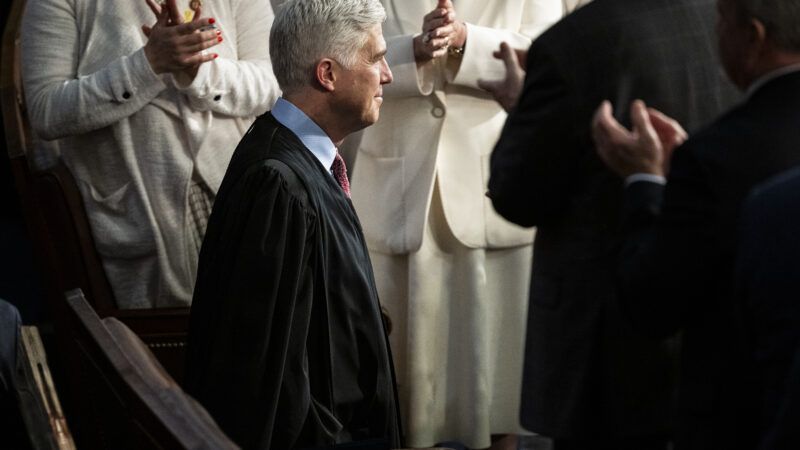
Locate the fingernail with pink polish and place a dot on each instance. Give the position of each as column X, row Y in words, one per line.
column 211, row 20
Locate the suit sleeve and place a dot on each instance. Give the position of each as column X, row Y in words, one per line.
column 536, row 159
column 671, row 259
column 251, row 313
column 408, row 79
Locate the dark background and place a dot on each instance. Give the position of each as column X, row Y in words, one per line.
column 20, row 283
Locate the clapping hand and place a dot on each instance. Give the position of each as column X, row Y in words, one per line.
column 178, row 47
column 440, row 29
column 647, row 148
column 506, row 91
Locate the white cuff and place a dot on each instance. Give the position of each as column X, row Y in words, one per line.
column 132, row 77
column 649, row 177
column 409, row 80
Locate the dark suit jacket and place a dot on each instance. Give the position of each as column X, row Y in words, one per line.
column 768, row 287
column 678, row 263
column 585, row 373
column 14, row 434
column 9, row 335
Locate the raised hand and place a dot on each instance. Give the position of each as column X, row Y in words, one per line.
column 458, row 37
column 177, row 47
column 506, row 91
column 436, row 30
column 670, row 133
column 440, row 29
column 645, row 149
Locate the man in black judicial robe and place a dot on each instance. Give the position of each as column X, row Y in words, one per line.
column 287, row 348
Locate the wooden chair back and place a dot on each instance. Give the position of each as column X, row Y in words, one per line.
column 129, row 398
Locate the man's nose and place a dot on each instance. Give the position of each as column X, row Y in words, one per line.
column 386, row 73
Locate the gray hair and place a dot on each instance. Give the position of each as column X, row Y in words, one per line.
column 781, row 18
column 305, row 31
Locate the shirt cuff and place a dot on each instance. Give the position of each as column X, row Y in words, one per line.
column 408, row 79
column 648, row 177
column 132, row 77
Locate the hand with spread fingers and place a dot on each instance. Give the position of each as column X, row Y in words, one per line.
column 440, row 30
column 507, row 91
column 176, row 46
column 647, row 148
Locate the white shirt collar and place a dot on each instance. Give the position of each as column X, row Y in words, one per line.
column 306, row 130
column 769, row 76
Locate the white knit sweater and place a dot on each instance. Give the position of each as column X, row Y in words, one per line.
column 132, row 138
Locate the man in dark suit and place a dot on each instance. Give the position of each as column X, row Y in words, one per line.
column 586, row 374
column 287, row 347
column 677, row 264
column 768, row 285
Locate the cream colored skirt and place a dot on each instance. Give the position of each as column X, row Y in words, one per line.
column 459, row 318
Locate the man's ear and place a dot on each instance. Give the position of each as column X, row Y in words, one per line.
column 326, row 74
column 756, row 34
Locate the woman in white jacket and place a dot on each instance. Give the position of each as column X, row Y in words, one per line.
column 146, row 120
column 452, row 274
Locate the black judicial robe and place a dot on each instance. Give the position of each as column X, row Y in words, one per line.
column 287, row 347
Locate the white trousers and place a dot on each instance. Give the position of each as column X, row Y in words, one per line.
column 459, row 318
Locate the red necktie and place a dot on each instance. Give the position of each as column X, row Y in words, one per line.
column 340, row 173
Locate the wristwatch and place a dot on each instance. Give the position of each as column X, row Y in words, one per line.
column 456, row 52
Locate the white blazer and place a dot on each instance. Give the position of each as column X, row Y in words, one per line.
column 436, row 124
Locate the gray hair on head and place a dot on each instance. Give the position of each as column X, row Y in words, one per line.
column 305, row 31
column 781, row 18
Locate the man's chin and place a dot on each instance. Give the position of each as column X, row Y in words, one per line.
column 366, row 122
column 372, row 118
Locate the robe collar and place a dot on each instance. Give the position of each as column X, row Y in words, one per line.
column 309, row 133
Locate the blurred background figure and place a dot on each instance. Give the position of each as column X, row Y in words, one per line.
column 768, row 283
column 451, row 273
column 587, row 373
column 680, row 243
column 147, row 103
column 10, row 324
column 13, row 435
